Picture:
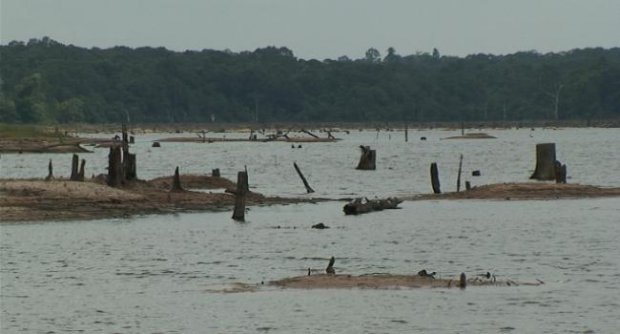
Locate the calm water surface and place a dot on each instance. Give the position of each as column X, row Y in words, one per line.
column 157, row 274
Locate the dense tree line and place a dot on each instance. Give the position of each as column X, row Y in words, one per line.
column 45, row 81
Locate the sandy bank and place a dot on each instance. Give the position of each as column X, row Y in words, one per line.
column 526, row 191
column 39, row 200
column 386, row 281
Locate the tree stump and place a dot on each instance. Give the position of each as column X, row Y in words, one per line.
column 74, row 168
column 50, row 171
column 435, row 178
column 176, row 181
column 81, row 172
column 560, row 172
column 115, row 167
column 545, row 162
column 368, row 158
column 215, row 172
column 130, row 167
column 240, row 193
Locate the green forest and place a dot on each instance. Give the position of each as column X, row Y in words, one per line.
column 44, row 81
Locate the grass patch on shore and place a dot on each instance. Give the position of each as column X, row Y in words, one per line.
column 19, row 131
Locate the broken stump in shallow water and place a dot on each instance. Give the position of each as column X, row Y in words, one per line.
column 50, row 171
column 240, row 194
column 115, row 167
column 176, row 181
column 215, row 172
column 560, row 172
column 130, row 167
column 81, row 172
column 359, row 205
column 545, row 162
column 74, row 168
column 435, row 178
column 330, row 267
column 368, row 159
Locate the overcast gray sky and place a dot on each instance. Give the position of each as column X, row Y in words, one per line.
column 320, row 28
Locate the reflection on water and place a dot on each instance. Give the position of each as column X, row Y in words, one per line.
column 156, row 274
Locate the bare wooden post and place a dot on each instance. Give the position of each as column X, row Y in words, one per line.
column 308, row 188
column 368, row 158
column 215, row 172
column 81, row 172
column 176, row 181
column 242, row 189
column 74, row 168
column 545, row 162
column 115, row 168
column 458, row 179
column 50, row 171
column 435, row 178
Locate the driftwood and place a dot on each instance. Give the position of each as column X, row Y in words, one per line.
column 359, row 205
column 368, row 158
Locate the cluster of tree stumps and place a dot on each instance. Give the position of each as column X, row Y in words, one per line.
column 122, row 166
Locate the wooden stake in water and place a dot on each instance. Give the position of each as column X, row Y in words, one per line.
column 458, row 179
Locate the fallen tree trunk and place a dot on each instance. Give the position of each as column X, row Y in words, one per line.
column 359, row 205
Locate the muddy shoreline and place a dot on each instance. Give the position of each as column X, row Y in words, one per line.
column 32, row 200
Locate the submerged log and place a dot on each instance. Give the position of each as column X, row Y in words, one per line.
column 368, row 158
column 359, row 205
column 435, row 178
column 240, row 194
column 545, row 162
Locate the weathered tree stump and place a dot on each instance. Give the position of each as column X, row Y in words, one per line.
column 50, row 171
column 545, row 162
column 176, row 181
column 458, row 179
column 156, row 144
column 368, row 158
column 74, row 168
column 467, row 185
column 215, row 172
column 130, row 167
column 303, row 179
column 81, row 172
column 435, row 178
column 115, row 167
column 240, row 194
column 560, row 172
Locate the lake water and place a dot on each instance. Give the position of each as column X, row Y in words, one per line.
column 158, row 274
